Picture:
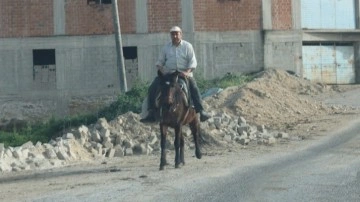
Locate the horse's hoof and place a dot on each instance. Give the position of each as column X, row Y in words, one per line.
column 177, row 166
column 161, row 168
column 198, row 155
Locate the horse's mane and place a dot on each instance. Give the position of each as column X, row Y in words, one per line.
column 179, row 106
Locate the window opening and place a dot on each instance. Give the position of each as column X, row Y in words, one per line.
column 99, row 1
column 44, row 68
column 130, row 52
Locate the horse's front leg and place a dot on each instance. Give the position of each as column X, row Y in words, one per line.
column 163, row 131
column 178, row 150
column 182, row 144
column 195, row 129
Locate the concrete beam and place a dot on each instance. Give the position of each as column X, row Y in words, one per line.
column 339, row 37
column 59, row 17
column 141, row 16
column 296, row 14
column 266, row 13
column 187, row 15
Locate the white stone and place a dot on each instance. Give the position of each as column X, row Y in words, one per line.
column 62, row 155
column 50, row 153
column 27, row 145
column 17, row 153
column 96, row 136
column 128, row 152
column 283, row 135
column 110, row 153
column 104, row 133
column 68, row 136
column 4, row 167
column 119, row 152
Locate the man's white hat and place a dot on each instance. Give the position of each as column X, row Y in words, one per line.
column 175, row 29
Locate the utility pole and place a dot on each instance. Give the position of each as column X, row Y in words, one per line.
column 119, row 50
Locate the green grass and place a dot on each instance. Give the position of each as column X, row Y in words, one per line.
column 129, row 101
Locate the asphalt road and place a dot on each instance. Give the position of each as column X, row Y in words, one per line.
column 329, row 171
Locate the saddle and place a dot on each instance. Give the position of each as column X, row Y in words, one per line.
column 184, row 85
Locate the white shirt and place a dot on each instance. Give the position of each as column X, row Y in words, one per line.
column 181, row 57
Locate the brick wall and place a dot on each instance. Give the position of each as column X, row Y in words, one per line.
column 84, row 19
column 29, row 18
column 227, row 15
column 281, row 14
column 24, row 18
column 163, row 14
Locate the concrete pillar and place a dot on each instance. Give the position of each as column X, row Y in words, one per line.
column 266, row 13
column 296, row 14
column 187, row 15
column 59, row 17
column 357, row 44
column 141, row 16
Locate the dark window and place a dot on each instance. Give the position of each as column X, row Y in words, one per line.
column 130, row 52
column 99, row 1
column 44, row 57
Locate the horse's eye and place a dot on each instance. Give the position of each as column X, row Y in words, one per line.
column 167, row 83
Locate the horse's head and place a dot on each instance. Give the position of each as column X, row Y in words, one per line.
column 169, row 86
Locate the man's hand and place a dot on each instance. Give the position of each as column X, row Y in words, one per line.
column 160, row 68
column 186, row 73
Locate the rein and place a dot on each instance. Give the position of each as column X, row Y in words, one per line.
column 177, row 98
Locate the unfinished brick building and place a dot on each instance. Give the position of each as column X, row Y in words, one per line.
column 59, row 56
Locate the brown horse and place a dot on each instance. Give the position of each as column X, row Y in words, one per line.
column 176, row 111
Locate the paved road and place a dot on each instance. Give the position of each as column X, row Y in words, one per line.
column 328, row 171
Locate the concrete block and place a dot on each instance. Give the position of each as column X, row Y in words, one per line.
column 111, row 153
column 62, row 155
column 128, row 152
column 2, row 147
column 241, row 121
column 17, row 153
column 104, row 133
column 139, row 149
column 283, row 135
column 107, row 144
column 243, row 128
column 8, row 153
column 227, row 138
column 119, row 151
column 96, row 136
column 68, row 136
column 27, row 145
column 50, row 154
column 4, row 167
column 2, row 154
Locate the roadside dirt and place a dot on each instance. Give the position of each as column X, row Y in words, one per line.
column 276, row 99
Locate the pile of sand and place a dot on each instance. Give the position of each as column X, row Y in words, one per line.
column 276, row 99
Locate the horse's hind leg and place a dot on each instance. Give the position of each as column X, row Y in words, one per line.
column 163, row 130
column 182, row 144
column 195, row 129
column 177, row 146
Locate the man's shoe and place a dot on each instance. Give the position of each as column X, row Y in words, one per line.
column 150, row 118
column 204, row 116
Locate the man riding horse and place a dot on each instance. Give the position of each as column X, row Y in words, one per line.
column 177, row 55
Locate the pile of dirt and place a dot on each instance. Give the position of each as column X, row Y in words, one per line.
column 277, row 99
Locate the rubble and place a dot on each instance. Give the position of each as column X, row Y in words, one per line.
column 115, row 139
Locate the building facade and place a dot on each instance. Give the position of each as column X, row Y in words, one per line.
column 58, row 57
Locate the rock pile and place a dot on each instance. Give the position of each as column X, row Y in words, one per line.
column 126, row 136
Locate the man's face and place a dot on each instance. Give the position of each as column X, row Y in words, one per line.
column 176, row 37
